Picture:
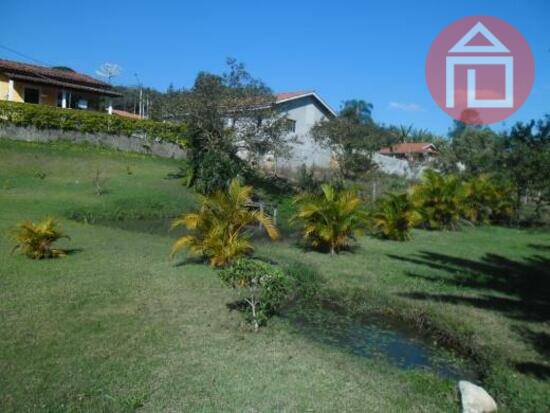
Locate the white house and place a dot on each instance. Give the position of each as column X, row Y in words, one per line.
column 304, row 109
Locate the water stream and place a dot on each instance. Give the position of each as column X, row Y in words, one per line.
column 377, row 337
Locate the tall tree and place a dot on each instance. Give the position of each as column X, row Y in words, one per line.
column 231, row 117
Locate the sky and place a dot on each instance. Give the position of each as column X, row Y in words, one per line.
column 367, row 50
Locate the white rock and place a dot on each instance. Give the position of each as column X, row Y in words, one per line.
column 475, row 399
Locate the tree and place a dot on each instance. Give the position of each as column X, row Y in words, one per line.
column 525, row 158
column 231, row 117
column 330, row 220
column 439, row 199
column 219, row 229
column 263, row 287
column 109, row 70
column 352, row 137
column 357, row 110
column 35, row 240
column 395, row 216
column 472, row 150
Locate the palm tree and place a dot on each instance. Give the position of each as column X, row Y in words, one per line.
column 395, row 217
column 219, row 229
column 35, row 240
column 439, row 199
column 331, row 219
column 486, row 200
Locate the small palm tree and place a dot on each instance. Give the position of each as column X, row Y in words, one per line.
column 486, row 200
column 480, row 194
column 219, row 227
column 35, row 240
column 395, row 216
column 439, row 199
column 330, row 220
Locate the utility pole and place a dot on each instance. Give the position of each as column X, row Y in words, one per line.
column 140, row 95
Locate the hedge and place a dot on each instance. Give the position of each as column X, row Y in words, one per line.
column 49, row 117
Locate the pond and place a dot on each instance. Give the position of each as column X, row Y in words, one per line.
column 376, row 337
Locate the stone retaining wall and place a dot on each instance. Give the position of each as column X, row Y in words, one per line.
column 124, row 143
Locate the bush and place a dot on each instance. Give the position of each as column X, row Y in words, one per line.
column 487, row 201
column 35, row 240
column 219, row 227
column 49, row 117
column 394, row 217
column 330, row 220
column 439, row 199
column 262, row 286
column 213, row 171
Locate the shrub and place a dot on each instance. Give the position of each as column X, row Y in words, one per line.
column 439, row 199
column 35, row 240
column 330, row 220
column 49, row 117
column 263, row 287
column 219, row 227
column 486, row 201
column 394, row 217
column 212, row 172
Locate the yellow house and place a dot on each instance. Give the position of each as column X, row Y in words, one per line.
column 61, row 87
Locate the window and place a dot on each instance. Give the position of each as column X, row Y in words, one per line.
column 31, row 95
column 291, row 125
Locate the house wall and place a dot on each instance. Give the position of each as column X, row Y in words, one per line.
column 306, row 112
column 3, row 87
column 48, row 95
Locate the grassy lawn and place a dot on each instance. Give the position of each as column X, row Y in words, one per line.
column 117, row 326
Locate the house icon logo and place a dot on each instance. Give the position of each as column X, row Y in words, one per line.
column 480, row 65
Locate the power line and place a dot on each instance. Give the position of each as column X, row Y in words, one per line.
column 23, row 55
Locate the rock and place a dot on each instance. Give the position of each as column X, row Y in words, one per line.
column 475, row 399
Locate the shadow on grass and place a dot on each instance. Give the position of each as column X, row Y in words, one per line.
column 519, row 289
column 538, row 370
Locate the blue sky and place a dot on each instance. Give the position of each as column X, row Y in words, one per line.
column 365, row 49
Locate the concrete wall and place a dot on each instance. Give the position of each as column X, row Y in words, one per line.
column 124, row 143
column 306, row 112
column 3, row 87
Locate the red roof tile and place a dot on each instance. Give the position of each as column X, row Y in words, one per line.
column 58, row 74
column 413, row 147
column 289, row 95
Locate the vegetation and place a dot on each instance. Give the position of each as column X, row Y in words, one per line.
column 394, row 217
column 486, row 201
column 136, row 320
column 228, row 115
column 220, row 227
column 262, row 286
column 36, row 240
column 352, row 136
column 330, row 220
column 439, row 200
column 49, row 117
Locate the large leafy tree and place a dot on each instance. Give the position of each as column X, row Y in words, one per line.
column 525, row 159
column 231, row 117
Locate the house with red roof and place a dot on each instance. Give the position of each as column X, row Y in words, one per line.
column 53, row 86
column 411, row 151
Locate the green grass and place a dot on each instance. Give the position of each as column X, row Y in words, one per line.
column 117, row 326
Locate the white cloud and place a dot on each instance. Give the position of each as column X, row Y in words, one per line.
column 406, row 107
